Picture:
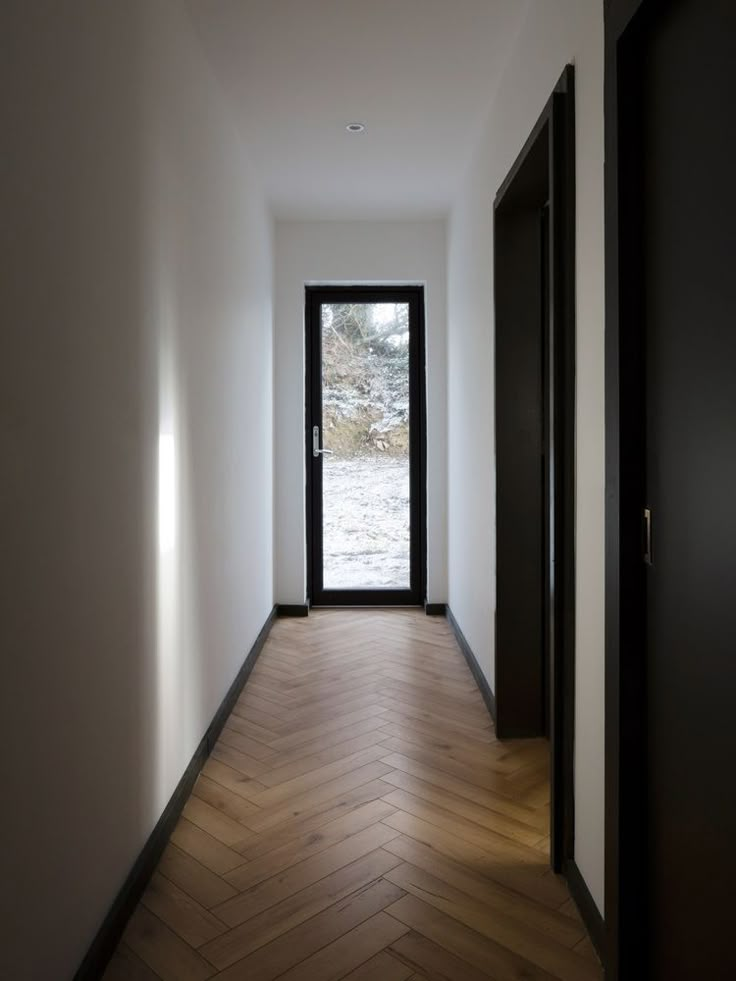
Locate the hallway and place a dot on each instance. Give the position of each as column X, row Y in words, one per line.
column 358, row 819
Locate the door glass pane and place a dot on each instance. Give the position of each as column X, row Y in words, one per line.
column 365, row 422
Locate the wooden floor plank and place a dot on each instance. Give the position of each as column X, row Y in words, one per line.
column 288, row 789
column 310, row 819
column 127, row 966
column 425, row 726
column 482, row 836
column 294, row 946
column 303, row 874
column 467, row 944
column 382, row 967
column 528, row 882
column 204, row 848
column 358, row 818
column 247, row 765
column 257, row 734
column 493, row 801
column 420, row 954
column 182, row 914
column 520, row 938
column 232, row 736
column 350, row 951
column 203, row 885
column 310, row 843
column 471, row 725
column 226, row 801
column 268, row 817
column 564, row 929
column 216, row 823
column 482, row 777
column 162, row 950
column 328, row 740
column 234, row 781
column 334, row 724
column 485, row 816
column 296, row 907
column 286, row 768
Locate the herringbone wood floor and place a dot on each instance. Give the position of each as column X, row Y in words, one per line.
column 358, row 819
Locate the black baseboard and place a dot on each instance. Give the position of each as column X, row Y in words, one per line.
column 108, row 936
column 435, row 609
column 480, row 679
column 585, row 903
column 292, row 610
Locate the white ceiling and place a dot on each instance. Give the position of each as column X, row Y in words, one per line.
column 419, row 73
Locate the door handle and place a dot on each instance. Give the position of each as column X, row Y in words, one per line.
column 316, row 451
column 648, row 536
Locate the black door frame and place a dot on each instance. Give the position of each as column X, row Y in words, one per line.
column 556, row 124
column 412, row 294
column 625, row 615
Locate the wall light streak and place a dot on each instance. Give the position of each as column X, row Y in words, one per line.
column 166, row 493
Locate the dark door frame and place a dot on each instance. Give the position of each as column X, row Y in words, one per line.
column 625, row 615
column 412, row 294
column 556, row 124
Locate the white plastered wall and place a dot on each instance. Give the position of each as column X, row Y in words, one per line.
column 135, row 447
column 352, row 252
column 555, row 32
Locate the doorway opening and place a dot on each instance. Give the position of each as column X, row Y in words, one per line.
column 534, row 250
column 365, row 445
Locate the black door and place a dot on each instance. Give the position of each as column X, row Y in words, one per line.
column 677, row 254
column 365, row 445
column 689, row 157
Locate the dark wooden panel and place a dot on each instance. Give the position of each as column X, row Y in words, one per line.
column 671, row 428
column 688, row 156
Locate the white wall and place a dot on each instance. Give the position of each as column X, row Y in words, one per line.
column 555, row 32
column 352, row 252
column 137, row 314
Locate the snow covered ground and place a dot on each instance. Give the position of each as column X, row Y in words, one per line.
column 366, row 523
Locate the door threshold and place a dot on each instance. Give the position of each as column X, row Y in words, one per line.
column 366, row 606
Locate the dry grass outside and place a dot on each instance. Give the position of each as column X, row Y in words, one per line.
column 362, row 435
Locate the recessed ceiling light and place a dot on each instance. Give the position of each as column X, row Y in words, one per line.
column 355, row 127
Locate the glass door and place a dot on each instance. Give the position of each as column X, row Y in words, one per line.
column 365, row 445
